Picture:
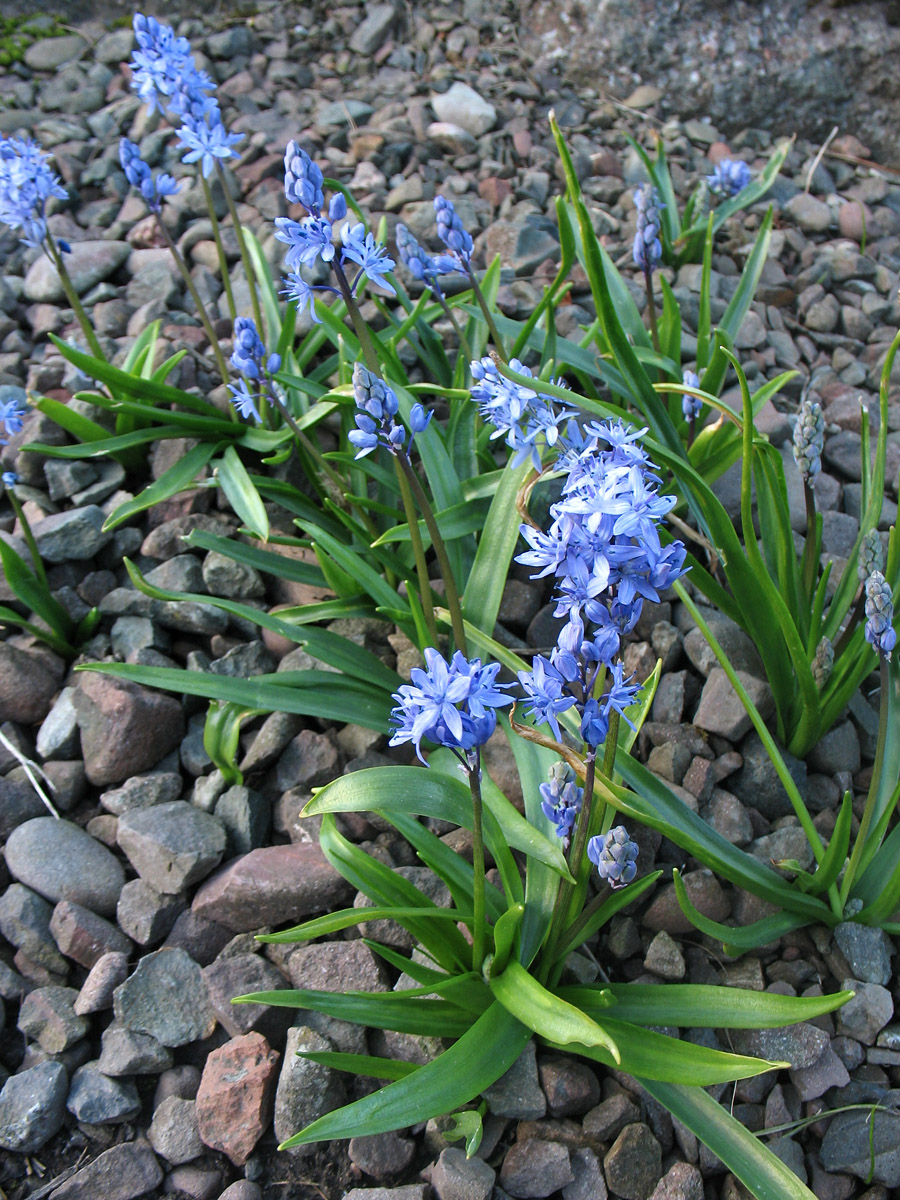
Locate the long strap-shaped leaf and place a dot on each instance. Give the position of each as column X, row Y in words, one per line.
column 744, row 1155
column 379, row 1010
column 487, row 1049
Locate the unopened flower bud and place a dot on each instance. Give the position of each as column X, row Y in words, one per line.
column 615, row 856
column 871, row 555
column 809, row 440
column 880, row 615
column 822, row 662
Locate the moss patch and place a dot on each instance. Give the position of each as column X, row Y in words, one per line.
column 17, row 34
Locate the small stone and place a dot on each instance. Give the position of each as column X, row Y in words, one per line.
column 167, row 998
column 455, row 1177
column 571, row 1087
column 83, row 936
column 173, row 1132
column 306, row 1090
column 682, row 1181
column 588, row 1183
column 704, row 892
column 837, row 751
column 238, row 976
column 142, row 791
column 89, row 263
column 381, row 1155
column 664, row 957
column 33, row 1107
column 46, row 54
column 812, row 215
column 125, row 728
column 867, row 1013
column 48, row 1017
column 27, row 687
column 246, row 816
column 194, row 1183
column 535, row 1168
column 826, row 1072
column 605, row 1122
column 104, row 977
column 369, row 35
column 145, row 914
column 461, row 105
column 867, row 950
column 123, row 1172
column 95, row 1099
column 125, row 1052
column 234, row 1101
column 864, row 1144
column 172, row 845
column 633, row 1164
column 25, row 923
column 58, row 734
column 721, row 711
column 800, row 1045
column 517, row 1093
column 62, row 862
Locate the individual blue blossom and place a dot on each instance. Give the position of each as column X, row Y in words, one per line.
column 615, row 856
column 451, row 231
column 308, row 241
column 207, row 142
column 371, row 257
column 809, row 440
column 425, row 267
column 562, row 799
column 303, row 180
column 451, row 704
column 244, row 400
column 691, row 405
column 9, row 478
column 527, row 417
column 12, row 414
column 301, row 293
column 647, row 250
column 249, row 351
column 27, row 182
column 546, row 688
column 880, row 632
column 154, row 188
column 729, row 177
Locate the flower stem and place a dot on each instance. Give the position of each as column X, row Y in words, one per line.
column 359, row 326
column 463, row 340
column 220, row 248
column 242, row 244
column 418, row 550
column 29, row 537
column 860, row 850
column 488, row 315
column 478, row 902
column 195, row 296
column 856, row 615
column 560, row 918
column 651, row 308
column 809, row 550
column 456, row 618
column 72, row 296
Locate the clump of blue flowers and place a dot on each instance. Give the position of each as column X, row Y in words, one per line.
column 27, row 182
column 729, row 177
column 377, row 406
column 249, row 359
column 425, row 267
column 561, row 799
column 12, row 415
column 452, row 704
column 530, row 419
column 615, row 856
column 880, row 632
column 154, row 188
column 647, row 250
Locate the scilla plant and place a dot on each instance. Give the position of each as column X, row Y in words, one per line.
column 506, row 961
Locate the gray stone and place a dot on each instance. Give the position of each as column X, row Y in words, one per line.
column 738, row 646
column 344, row 112
column 455, row 1177
column 33, row 1107
column 517, row 1093
column 46, row 54
column 588, row 1182
column 381, row 1155
column 633, row 1164
column 534, row 1168
column 721, row 710
column 88, row 264
column 222, row 576
column 461, row 105
column 125, row 1052
column 171, row 845
column 826, row 1072
column 25, row 923
column 237, row 976
column 143, row 791
column 60, row 861
column 19, row 802
column 837, row 751
column 96, row 1099
column 664, row 957
column 48, row 1017
column 123, row 1172
column 852, row 1137
column 306, row 1090
column 368, row 36
column 173, row 1132
column 682, row 1181
column 757, row 784
column 145, row 914
column 788, row 843
column 167, row 998
column 867, row 950
column 75, row 534
column 85, row 937
column 867, row 1013
column 58, row 734
column 800, row 1045
column 246, row 816
column 104, row 977
column 812, row 215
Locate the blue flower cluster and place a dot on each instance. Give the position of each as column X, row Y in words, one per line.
column 529, row 418
column 166, row 77
column 647, row 250
column 604, row 550
column 425, row 267
column 9, row 479
column 615, row 856
column 809, row 440
column 452, row 704
column 12, row 413
column 880, row 631
column 378, row 406
column 247, row 359
column 311, row 239
column 561, row 799
column 729, row 177
column 26, row 184
column 690, row 405
column 451, row 230
column 153, row 188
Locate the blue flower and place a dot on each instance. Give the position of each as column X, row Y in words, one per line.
column 450, row 229
column 307, row 241
column 140, row 176
column 547, row 690
column 244, row 400
column 27, row 182
column 375, row 425
column 562, row 799
column 809, row 440
column 452, row 704
column 249, row 351
column 303, row 180
column 615, row 855
column 163, row 72
column 729, row 177
column 880, row 615
column 10, row 479
column 647, row 246
column 420, row 264
column 527, row 417
column 12, row 414
column 373, row 259
column 690, row 405
column 206, row 143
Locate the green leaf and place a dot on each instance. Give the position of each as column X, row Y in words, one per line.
column 221, row 736
column 466, row 1124
column 484, row 587
column 701, row 1006
column 180, row 475
column 35, row 595
column 473, row 1063
column 767, row 1177
column 268, row 561
column 379, row 1010
column 739, row 938
column 363, row 1065
column 546, row 1013
column 347, row 918
column 241, row 494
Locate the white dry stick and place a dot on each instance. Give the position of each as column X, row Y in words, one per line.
column 819, row 157
column 32, row 770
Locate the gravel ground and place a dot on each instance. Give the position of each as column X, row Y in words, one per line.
column 120, row 949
